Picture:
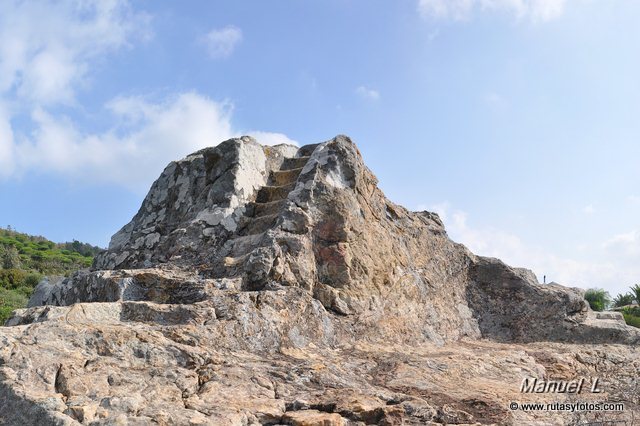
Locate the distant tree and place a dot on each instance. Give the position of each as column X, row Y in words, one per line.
column 623, row 300
column 598, row 299
column 636, row 292
column 80, row 248
column 10, row 258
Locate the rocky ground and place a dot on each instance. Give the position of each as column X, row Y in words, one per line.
column 277, row 285
column 137, row 363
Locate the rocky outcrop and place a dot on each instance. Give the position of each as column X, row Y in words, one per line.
column 278, row 285
column 242, row 217
column 195, row 204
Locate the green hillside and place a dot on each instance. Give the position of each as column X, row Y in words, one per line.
column 25, row 259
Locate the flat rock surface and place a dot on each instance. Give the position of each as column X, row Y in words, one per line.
column 85, row 366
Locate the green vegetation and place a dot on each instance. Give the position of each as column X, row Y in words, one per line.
column 623, row 300
column 31, row 253
column 632, row 316
column 635, row 291
column 598, row 299
column 26, row 259
column 11, row 300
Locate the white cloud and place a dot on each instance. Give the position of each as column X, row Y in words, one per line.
column 496, row 101
column 158, row 133
column 627, row 244
column 635, row 199
column 368, row 93
column 6, row 143
column 220, row 43
column 462, row 10
column 46, row 47
column 268, row 138
column 590, row 209
column 433, row 35
column 132, row 155
column 446, row 9
column 612, row 266
column 47, row 51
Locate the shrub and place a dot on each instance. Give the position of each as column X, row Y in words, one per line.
column 32, row 279
column 635, row 311
column 11, row 300
column 632, row 316
column 5, row 313
column 12, row 278
column 598, row 299
column 632, row 320
column 623, row 300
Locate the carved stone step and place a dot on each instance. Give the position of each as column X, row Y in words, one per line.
column 259, row 225
column 294, row 163
column 284, row 177
column 264, row 209
column 267, row 194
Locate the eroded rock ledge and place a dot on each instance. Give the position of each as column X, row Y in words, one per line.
column 278, row 285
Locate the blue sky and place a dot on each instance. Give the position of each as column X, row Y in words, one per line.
column 516, row 120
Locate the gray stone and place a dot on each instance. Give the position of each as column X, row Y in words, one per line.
column 42, row 294
column 278, row 285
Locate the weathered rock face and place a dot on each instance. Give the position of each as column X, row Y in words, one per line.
column 195, row 204
column 267, row 285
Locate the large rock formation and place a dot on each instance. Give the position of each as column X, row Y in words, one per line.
column 278, row 285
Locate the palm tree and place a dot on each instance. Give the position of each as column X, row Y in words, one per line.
column 623, row 300
column 636, row 292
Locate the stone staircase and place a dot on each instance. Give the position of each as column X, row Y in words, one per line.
column 262, row 214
